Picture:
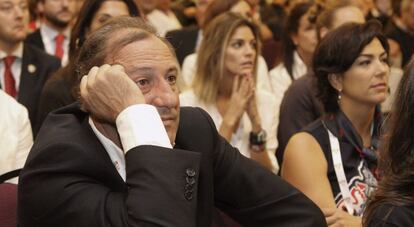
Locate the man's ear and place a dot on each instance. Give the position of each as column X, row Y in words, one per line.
column 336, row 81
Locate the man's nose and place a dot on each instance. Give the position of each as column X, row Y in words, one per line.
column 164, row 95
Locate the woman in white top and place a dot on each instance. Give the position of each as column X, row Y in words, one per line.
column 299, row 43
column 216, row 8
column 15, row 135
column 224, row 86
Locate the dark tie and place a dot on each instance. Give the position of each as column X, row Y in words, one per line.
column 9, row 82
column 59, row 45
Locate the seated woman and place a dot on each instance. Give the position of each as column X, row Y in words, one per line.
column 333, row 160
column 299, row 42
column 224, row 86
column 392, row 204
column 213, row 10
column 58, row 89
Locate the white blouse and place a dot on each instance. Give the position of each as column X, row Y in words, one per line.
column 240, row 139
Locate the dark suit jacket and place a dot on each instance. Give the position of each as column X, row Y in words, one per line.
column 37, row 66
column 184, row 41
column 69, row 180
column 35, row 39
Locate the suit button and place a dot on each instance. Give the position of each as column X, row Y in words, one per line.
column 188, row 195
column 190, row 180
column 190, row 172
column 189, row 187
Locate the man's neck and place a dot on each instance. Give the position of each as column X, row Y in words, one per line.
column 54, row 27
column 9, row 48
column 108, row 130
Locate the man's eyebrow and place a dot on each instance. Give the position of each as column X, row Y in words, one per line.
column 144, row 70
column 172, row 70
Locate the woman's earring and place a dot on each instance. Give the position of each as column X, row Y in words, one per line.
column 339, row 95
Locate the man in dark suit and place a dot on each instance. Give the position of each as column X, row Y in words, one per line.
column 135, row 158
column 54, row 32
column 23, row 69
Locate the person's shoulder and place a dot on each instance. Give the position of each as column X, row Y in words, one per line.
column 10, row 107
column 391, row 215
column 33, row 36
column 40, row 54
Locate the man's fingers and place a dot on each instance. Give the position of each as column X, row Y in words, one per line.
column 118, row 67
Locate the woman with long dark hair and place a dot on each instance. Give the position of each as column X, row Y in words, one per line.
column 333, row 160
column 392, row 204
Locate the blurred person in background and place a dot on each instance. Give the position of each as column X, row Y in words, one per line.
column 300, row 105
column 215, row 9
column 224, row 86
column 55, row 25
column 58, row 91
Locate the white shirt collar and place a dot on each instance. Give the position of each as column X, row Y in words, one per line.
column 51, row 33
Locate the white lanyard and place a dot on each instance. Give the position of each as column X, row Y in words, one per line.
column 340, row 173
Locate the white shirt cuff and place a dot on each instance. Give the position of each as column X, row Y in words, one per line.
column 141, row 125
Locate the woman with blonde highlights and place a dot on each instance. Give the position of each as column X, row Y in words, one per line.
column 224, row 86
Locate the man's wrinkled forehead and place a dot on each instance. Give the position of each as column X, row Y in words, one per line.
column 127, row 36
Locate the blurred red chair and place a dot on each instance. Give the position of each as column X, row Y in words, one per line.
column 8, row 205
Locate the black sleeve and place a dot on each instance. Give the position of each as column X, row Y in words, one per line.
column 66, row 185
column 254, row 196
column 299, row 108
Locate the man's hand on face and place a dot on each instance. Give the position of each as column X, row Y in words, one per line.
column 107, row 90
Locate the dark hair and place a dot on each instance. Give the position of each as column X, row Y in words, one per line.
column 83, row 23
column 291, row 28
column 397, row 158
column 102, row 43
column 336, row 53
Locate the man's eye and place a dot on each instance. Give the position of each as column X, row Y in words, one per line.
column 172, row 79
column 143, row 82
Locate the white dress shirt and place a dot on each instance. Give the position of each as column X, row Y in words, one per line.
column 48, row 37
column 16, row 137
column 16, row 66
column 137, row 125
column 188, row 72
column 240, row 139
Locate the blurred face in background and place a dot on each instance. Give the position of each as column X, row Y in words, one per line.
column 147, row 5
column 164, row 5
column 14, row 18
column 57, row 13
column 240, row 54
column 306, row 38
column 407, row 16
column 201, row 7
column 109, row 9
column 242, row 8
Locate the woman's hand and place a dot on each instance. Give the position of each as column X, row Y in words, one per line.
column 242, row 93
column 336, row 217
